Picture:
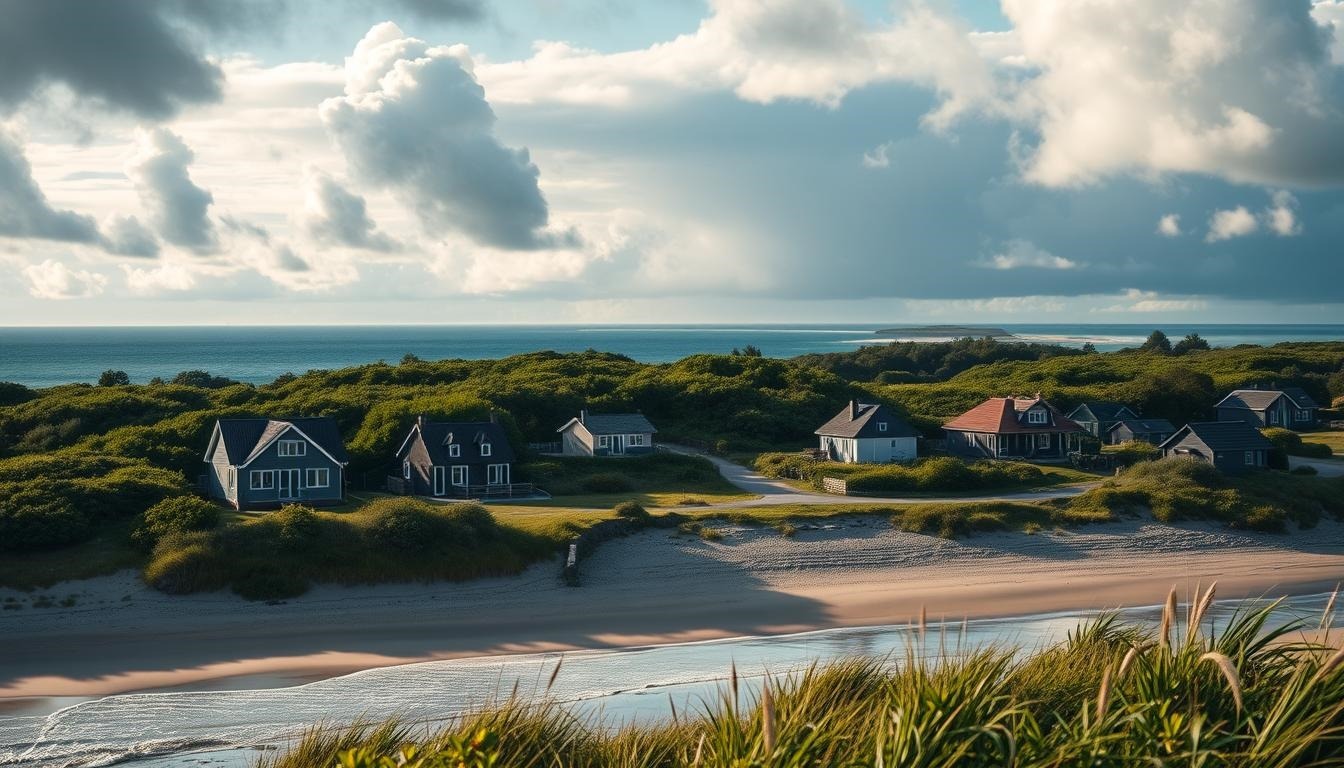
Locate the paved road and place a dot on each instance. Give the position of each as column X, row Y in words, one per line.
column 773, row 491
column 1323, row 467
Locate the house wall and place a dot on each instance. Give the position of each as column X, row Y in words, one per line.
column 1230, row 462
column 418, row 456
column 576, row 441
column 217, row 476
column 271, row 460
column 870, row 450
column 630, row 450
column 972, row 444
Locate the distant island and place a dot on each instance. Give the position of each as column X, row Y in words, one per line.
column 945, row 331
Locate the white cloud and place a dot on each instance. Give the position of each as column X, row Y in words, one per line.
column 1225, row 225
column 1281, row 216
column 166, row 277
column 52, row 279
column 1151, row 301
column 1331, row 13
column 126, row 236
column 178, row 207
column 1169, row 225
column 335, row 216
column 1022, row 253
column 877, row 158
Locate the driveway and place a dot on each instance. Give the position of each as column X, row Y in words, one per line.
column 774, row 491
column 1323, row 467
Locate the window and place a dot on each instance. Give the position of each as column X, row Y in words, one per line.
column 881, row 426
column 454, row 450
column 292, row 448
column 317, row 478
column 636, row 439
column 1250, row 457
column 262, row 479
column 1303, row 415
column 1273, row 417
column 603, row 441
column 894, row 444
column 1038, row 417
column 233, row 479
column 1043, row 440
column 406, row 469
column 460, row 475
column 497, row 474
column 485, row 449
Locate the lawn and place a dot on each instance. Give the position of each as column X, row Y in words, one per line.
column 661, row 479
column 1333, row 439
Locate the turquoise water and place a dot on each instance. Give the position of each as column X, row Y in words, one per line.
column 42, row 357
column 224, row 728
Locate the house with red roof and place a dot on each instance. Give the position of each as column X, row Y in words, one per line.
column 1014, row 428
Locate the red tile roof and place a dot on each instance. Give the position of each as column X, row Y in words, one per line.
column 1000, row 415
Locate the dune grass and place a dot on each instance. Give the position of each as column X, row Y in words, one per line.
column 1109, row 695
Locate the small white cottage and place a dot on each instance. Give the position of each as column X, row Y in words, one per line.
column 864, row 433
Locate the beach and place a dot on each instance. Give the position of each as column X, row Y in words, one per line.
column 651, row 588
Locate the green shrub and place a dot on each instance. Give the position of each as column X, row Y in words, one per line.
column 177, row 514
column 632, row 510
column 1305, row 469
column 1133, row 452
column 1263, row 518
column 184, row 564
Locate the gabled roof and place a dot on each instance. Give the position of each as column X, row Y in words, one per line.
column 1250, row 399
column 1300, row 397
column 245, row 439
column 1102, row 410
column 614, row 424
column 860, row 420
column 1223, row 436
column 439, row 435
column 1005, row 415
column 1145, row 426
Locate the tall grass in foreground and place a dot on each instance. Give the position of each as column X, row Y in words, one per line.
column 1110, row 695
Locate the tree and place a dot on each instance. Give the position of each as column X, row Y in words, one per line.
column 1157, row 342
column 1179, row 395
column 114, row 379
column 1089, row 348
column 1191, row 343
column 751, row 350
column 201, row 379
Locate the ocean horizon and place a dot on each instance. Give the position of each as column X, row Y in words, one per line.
column 50, row 356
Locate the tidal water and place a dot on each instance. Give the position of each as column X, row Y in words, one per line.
column 226, row 729
column 43, row 357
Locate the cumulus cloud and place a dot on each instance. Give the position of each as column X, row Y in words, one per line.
column 166, row 277
column 126, row 236
column 878, row 157
column 124, row 54
column 1021, row 253
column 178, row 208
column 335, row 216
column 25, row 211
column 1150, row 301
column 1241, row 89
column 415, row 120
column 1236, row 222
column 1169, row 225
column 52, row 279
column 1281, row 216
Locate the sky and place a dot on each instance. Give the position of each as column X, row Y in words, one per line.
column 466, row 161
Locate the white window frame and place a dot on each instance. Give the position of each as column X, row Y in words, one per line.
column 603, row 441
column 291, row 448
column 233, row 479
column 499, row 473
column 1038, row 417
column 406, row 470
column 486, row 449
column 1303, row 414
column 881, row 426
column 261, row 480
column 454, row 451
column 1043, row 440
column 635, row 440
column 311, row 472
column 1251, row 458
column 459, row 475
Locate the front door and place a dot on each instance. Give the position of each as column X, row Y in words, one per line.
column 440, row 480
column 617, row 444
column 288, row 483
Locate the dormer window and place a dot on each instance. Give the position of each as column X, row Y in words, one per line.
column 485, row 449
column 1038, row 417
column 881, row 426
column 292, row 448
column 454, row 450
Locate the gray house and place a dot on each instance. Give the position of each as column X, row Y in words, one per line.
column 460, row 458
column 868, row 433
column 1155, row 431
column 1231, row 446
column 606, row 434
column 266, row 463
column 1098, row 417
column 1289, row 407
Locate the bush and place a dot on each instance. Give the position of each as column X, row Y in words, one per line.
column 1133, row 452
column 1304, row 470
column 178, row 514
column 184, row 564
column 631, row 510
column 607, row 482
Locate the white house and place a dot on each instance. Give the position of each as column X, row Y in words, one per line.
column 863, row 433
column 606, row 434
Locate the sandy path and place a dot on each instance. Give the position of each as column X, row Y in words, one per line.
column 652, row 587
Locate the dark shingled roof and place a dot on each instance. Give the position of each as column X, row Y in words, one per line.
column 1224, row 436
column 242, row 437
column 1146, row 426
column 1103, row 410
column 438, row 435
column 1251, row 399
column 616, row 424
column 1300, row 397
column 864, row 424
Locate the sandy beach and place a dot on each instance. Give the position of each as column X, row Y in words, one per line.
column 654, row 587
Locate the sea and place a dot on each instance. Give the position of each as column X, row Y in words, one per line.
column 44, row 357
column 604, row 688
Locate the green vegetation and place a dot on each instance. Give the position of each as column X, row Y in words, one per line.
column 1332, row 440
column 1292, row 444
column 1133, row 451
column 176, row 514
column 929, row 475
column 392, row 539
column 654, row 479
column 1110, row 694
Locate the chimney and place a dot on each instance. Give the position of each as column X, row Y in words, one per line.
column 420, row 421
column 853, row 410
column 494, row 417
column 583, row 416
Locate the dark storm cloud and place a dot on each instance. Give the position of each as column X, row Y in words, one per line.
column 25, row 211
column 444, row 10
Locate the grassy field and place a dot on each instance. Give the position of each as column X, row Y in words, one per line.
column 109, row 552
column 1333, row 439
column 1108, row 695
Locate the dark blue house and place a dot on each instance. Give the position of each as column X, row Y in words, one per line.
column 459, row 459
column 267, row 463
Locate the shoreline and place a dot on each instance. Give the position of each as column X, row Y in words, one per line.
column 653, row 588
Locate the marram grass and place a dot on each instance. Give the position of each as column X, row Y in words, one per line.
column 1109, row 695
